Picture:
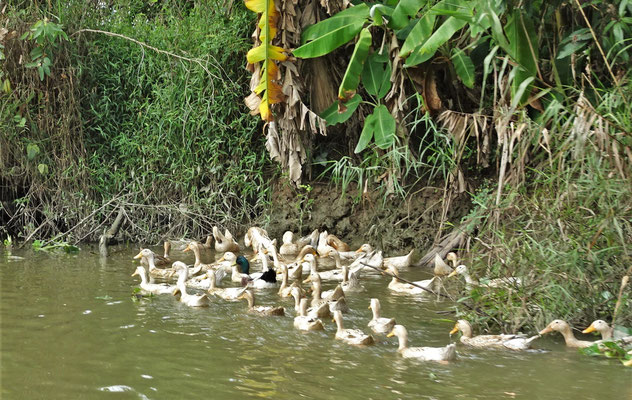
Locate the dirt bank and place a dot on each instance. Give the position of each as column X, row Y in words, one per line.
column 395, row 225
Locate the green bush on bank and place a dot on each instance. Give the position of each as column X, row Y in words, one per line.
column 170, row 138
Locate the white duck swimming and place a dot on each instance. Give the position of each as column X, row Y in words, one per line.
column 565, row 329
column 447, row 353
column 380, row 324
column 191, row 300
column 509, row 341
column 350, row 336
column 320, row 311
column 490, row 283
column 230, row 294
column 402, row 287
column 224, row 242
column 156, row 288
column 260, row 310
column 305, row 322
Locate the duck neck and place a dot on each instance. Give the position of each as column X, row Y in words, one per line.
column 303, row 308
column 339, row 325
column 466, row 331
column 183, row 276
column 212, row 284
column 297, row 300
column 469, row 281
column 251, row 301
column 209, row 242
column 143, row 277
column 376, row 310
column 264, row 261
column 151, row 262
column 316, row 289
column 196, row 252
column 284, row 280
column 337, row 259
column 607, row 334
column 236, row 275
column 569, row 338
column 403, row 341
column 345, row 274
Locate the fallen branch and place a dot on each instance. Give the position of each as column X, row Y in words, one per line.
column 111, row 233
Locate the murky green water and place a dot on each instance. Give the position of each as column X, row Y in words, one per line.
column 70, row 330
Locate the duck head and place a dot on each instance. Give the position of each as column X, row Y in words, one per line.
column 244, row 265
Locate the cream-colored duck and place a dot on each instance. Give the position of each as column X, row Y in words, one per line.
column 305, row 322
column 208, row 243
column 204, row 281
column 336, row 243
column 351, row 281
column 191, row 300
column 285, row 288
column 402, row 287
column 149, row 257
column 257, row 238
column 441, row 268
column 348, row 274
column 196, row 247
column 380, row 324
column 447, row 353
column 490, row 283
column 229, row 294
column 565, row 329
column 350, row 336
column 156, row 288
column 334, row 298
column 320, row 311
column 160, row 261
column 288, row 247
column 334, row 274
column 260, row 310
column 607, row 332
column 224, row 242
column 397, row 261
column 513, row 342
column 323, row 248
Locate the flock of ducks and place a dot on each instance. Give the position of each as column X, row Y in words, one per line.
column 324, row 257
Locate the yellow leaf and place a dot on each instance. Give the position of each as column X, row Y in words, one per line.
column 259, row 53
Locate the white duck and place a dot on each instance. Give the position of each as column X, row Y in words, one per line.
column 156, row 288
column 565, row 329
column 509, row 341
column 489, row 283
column 607, row 332
column 350, row 336
column 260, row 310
column 402, row 287
column 305, row 322
column 230, row 294
column 320, row 311
column 224, row 242
column 191, row 300
column 447, row 353
column 380, row 324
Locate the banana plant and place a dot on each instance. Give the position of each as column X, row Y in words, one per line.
column 269, row 91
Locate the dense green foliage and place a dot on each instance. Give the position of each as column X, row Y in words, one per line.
column 169, row 135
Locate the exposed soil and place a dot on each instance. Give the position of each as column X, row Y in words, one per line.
column 395, row 226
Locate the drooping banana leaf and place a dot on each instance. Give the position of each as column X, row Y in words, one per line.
column 340, row 112
column 351, row 78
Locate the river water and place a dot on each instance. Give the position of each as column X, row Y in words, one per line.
column 70, row 330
